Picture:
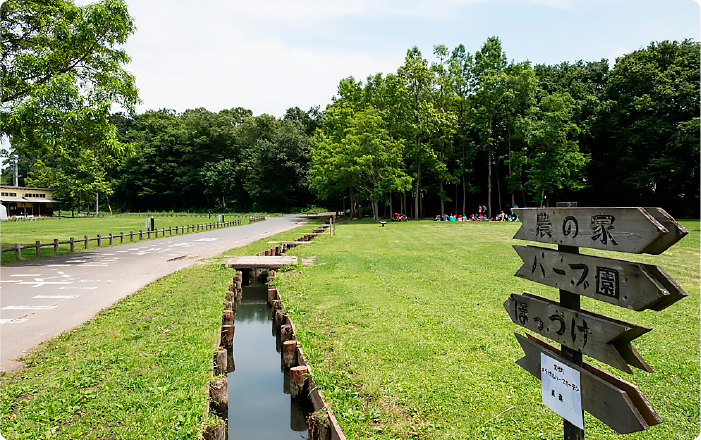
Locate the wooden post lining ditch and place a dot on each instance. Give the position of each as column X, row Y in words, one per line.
column 615, row 402
column 321, row 423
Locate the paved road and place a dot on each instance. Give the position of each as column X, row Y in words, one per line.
column 43, row 298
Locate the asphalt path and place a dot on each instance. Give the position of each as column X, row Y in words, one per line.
column 42, row 298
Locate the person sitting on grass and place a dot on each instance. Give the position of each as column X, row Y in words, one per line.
column 438, row 217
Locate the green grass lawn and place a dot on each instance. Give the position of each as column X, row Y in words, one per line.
column 28, row 232
column 407, row 336
column 138, row 370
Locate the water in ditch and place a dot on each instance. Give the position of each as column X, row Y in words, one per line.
column 259, row 404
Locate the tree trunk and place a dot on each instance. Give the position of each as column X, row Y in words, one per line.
column 513, row 197
column 375, row 210
column 463, row 195
column 390, row 204
column 489, row 171
column 489, row 181
column 418, row 188
column 440, row 194
column 352, row 206
column 501, row 208
column 456, row 199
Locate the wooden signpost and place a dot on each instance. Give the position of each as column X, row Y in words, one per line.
column 635, row 286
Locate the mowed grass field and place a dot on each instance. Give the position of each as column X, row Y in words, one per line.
column 28, row 232
column 405, row 329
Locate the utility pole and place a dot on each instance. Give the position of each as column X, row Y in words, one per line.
column 15, row 174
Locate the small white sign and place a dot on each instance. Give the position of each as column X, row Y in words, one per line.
column 561, row 390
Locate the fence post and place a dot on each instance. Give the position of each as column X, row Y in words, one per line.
column 131, row 236
column 72, row 244
column 38, row 246
column 87, row 245
column 111, row 238
column 18, row 251
column 56, row 245
column 99, row 240
column 121, row 237
column 141, row 234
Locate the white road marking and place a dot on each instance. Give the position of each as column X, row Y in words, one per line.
column 10, row 281
column 60, row 265
column 55, row 296
column 206, row 239
column 26, row 275
column 12, row 321
column 77, row 288
column 42, row 283
column 29, row 307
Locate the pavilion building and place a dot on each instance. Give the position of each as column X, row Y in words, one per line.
column 24, row 201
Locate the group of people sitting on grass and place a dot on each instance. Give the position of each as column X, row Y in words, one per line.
column 481, row 216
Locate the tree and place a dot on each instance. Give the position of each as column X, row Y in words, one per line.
column 490, row 63
column 284, row 163
column 654, row 128
column 61, row 69
column 366, row 158
column 220, row 180
column 76, row 175
column 554, row 161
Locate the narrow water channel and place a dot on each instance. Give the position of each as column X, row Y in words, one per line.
column 260, row 406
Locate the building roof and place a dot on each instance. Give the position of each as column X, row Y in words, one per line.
column 24, row 187
column 27, row 200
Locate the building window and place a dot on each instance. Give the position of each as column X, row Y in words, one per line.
column 33, row 195
column 8, row 194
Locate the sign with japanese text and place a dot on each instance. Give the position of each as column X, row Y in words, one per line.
column 561, row 390
column 601, row 337
column 634, row 286
column 633, row 230
column 570, row 384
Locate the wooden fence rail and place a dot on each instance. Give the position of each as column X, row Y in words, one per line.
column 17, row 248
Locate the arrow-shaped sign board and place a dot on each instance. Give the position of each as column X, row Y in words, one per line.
column 617, row 403
column 634, row 230
column 634, row 286
column 601, row 337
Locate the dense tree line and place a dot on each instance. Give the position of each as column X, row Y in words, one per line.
column 467, row 129
column 477, row 129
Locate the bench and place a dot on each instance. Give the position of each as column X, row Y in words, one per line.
column 383, row 224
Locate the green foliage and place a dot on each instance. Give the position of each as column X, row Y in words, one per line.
column 61, row 71
column 554, row 161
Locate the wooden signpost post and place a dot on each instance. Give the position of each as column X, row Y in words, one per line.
column 571, row 385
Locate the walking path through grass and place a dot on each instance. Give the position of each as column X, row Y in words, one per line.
column 405, row 329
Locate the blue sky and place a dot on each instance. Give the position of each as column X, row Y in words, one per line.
column 269, row 55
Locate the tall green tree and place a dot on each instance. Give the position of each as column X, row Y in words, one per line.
column 490, row 77
column 654, row 128
column 61, row 69
column 554, row 159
